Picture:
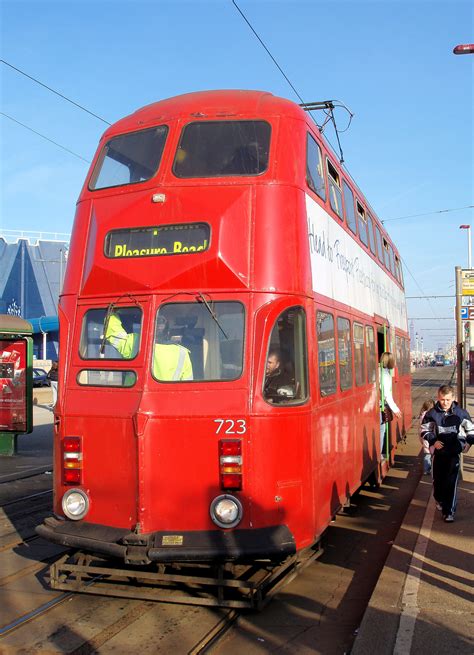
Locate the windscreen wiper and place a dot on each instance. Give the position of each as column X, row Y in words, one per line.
column 212, row 313
column 108, row 314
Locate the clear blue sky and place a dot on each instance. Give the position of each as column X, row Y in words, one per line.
column 410, row 145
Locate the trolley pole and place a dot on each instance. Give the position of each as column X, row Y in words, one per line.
column 459, row 338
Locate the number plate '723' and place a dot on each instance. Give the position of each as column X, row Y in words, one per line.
column 229, row 426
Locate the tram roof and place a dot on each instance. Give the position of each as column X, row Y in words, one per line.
column 204, row 104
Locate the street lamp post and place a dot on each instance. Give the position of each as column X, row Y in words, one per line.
column 468, row 228
column 422, row 351
column 416, row 349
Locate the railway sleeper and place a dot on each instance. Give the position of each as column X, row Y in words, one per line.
column 222, row 585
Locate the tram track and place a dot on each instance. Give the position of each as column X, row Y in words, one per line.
column 82, row 624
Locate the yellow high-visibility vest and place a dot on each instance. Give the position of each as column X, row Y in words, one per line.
column 171, row 361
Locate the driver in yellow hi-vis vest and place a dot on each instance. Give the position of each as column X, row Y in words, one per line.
column 171, row 361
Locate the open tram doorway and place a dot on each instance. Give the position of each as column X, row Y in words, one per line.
column 383, row 340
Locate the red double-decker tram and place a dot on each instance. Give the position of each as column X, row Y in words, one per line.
column 228, row 293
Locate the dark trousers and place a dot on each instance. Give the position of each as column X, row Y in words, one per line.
column 445, row 481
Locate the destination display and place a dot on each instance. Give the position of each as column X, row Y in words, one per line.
column 157, row 241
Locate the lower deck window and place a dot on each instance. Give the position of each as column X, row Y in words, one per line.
column 104, row 378
column 326, row 353
column 199, row 341
column 286, row 370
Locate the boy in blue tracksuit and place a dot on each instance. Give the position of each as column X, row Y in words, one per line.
column 449, row 430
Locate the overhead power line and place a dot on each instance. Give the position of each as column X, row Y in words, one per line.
column 267, row 50
column 439, row 211
column 45, row 137
column 76, row 104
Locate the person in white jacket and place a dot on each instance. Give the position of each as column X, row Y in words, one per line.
column 387, row 364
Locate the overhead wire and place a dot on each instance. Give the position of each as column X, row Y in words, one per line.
column 45, row 137
column 61, row 95
column 438, row 211
column 267, row 50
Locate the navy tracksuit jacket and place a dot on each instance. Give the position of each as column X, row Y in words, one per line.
column 454, row 429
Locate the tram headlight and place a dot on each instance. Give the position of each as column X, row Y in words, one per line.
column 75, row 504
column 226, row 511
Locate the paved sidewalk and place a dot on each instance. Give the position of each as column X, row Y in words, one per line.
column 424, row 597
column 35, row 450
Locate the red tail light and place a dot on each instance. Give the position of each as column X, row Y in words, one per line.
column 72, row 460
column 230, row 464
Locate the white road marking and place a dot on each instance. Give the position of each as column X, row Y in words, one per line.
column 410, row 609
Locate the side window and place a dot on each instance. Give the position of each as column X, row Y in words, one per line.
column 345, row 353
column 379, row 244
column 362, row 220
column 326, row 353
column 111, row 334
column 399, row 356
column 359, row 354
column 398, row 270
column 370, row 226
column 314, row 168
column 286, row 370
column 386, row 255
column 371, row 356
column 349, row 204
column 335, row 194
column 392, row 260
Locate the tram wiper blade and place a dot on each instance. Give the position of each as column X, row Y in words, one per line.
column 212, row 313
column 108, row 314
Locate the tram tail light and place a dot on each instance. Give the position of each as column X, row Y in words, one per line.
column 72, row 460
column 230, row 463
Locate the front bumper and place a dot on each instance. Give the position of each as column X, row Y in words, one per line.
column 273, row 543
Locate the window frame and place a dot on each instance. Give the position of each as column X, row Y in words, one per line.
column 199, row 380
column 373, row 354
column 370, row 230
column 301, row 381
column 221, row 175
column 350, row 364
column 321, row 163
column 349, row 206
column 334, row 185
column 94, row 176
column 360, row 380
column 362, row 219
column 333, row 390
column 117, row 308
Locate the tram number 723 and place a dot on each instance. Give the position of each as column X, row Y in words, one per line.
column 233, row 427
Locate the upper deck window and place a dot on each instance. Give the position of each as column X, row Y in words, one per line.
column 370, row 225
column 335, row 194
column 129, row 158
column 349, row 204
column 398, row 270
column 222, row 149
column 314, row 168
column 362, row 218
column 379, row 244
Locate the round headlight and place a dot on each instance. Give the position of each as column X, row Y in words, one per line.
column 226, row 511
column 75, row 504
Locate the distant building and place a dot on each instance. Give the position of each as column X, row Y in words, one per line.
column 32, row 269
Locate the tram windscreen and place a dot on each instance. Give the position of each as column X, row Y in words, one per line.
column 200, row 342
column 223, row 148
column 129, row 158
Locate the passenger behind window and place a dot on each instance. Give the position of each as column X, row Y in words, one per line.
column 244, row 161
column 279, row 384
column 171, row 361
